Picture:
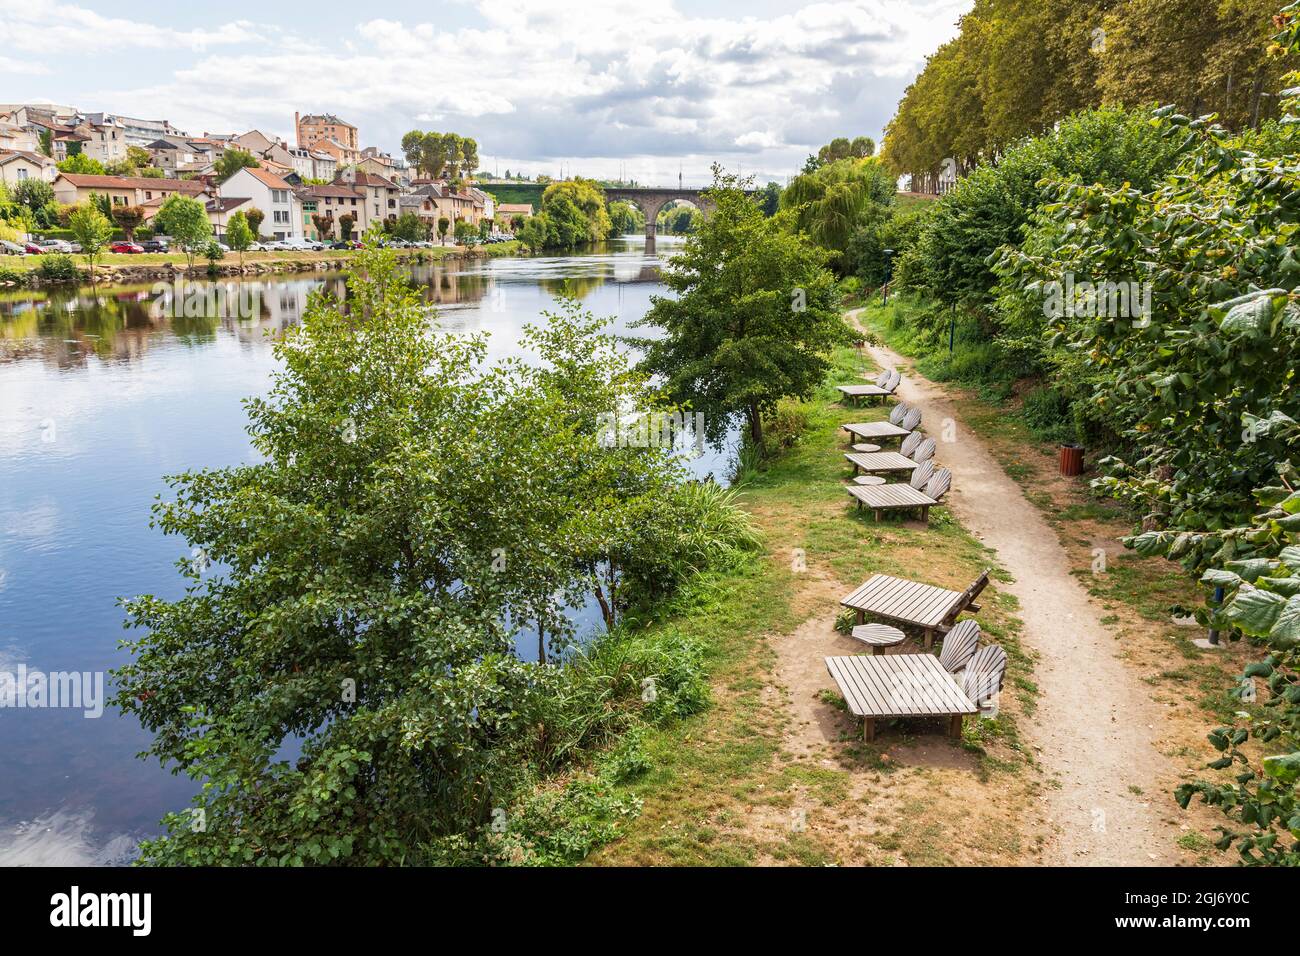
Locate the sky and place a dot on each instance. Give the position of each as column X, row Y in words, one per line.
column 646, row 90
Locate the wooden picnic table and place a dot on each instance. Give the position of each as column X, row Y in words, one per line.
column 880, row 461
column 900, row 685
column 931, row 608
column 856, row 392
column 875, row 430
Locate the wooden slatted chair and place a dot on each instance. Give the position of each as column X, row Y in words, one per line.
column 904, row 497
column 959, row 646
column 985, row 673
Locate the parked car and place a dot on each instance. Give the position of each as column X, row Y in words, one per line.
column 156, row 244
column 345, row 244
column 257, row 247
column 54, row 245
column 32, row 249
column 123, row 247
column 11, row 248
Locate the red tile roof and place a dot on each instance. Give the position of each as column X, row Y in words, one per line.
column 85, row 181
column 266, row 177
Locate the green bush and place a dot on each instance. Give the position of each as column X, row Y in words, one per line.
column 56, row 267
column 1050, row 416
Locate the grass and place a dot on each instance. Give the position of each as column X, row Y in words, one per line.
column 726, row 786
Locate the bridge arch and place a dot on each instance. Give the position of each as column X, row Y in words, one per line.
column 650, row 200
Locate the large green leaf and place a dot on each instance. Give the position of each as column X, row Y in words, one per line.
column 1255, row 612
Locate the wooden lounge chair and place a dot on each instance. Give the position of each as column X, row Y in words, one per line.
column 959, row 646
column 933, row 609
column 903, row 420
column 904, row 497
column 984, row 674
column 916, row 450
column 885, row 384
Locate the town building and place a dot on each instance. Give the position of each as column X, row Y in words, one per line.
column 272, row 195
column 70, row 188
column 18, row 166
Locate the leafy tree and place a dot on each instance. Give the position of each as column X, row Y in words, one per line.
column 465, row 232
column 232, row 161
column 754, row 313
column 255, row 218
column 372, row 577
column 185, row 219
column 324, row 226
column 239, row 235
column 535, row 233
column 410, row 227
column 443, row 225
column 624, row 218
column 346, row 221
column 46, row 140
column 770, row 198
column 128, row 219
column 92, row 230
column 81, row 164
column 829, row 203
column 35, row 194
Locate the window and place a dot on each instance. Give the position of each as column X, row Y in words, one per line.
column 22, row 174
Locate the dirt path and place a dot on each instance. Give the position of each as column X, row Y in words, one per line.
column 1095, row 727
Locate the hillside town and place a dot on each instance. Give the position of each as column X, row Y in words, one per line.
column 322, row 187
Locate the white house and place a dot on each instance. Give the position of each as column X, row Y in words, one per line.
column 272, row 195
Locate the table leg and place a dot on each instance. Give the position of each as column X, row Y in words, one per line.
column 954, row 725
column 868, row 729
column 861, row 617
column 929, row 639
column 877, row 650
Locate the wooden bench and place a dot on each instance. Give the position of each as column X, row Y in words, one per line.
column 933, row 609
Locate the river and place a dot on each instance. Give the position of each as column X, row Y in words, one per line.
column 100, row 397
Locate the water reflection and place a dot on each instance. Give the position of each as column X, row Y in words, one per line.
column 102, row 393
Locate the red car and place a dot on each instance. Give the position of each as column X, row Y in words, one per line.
column 33, row 249
column 126, row 248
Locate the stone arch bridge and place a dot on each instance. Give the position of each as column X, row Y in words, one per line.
column 651, row 199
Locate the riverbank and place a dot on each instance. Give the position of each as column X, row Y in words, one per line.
column 114, row 269
column 775, row 771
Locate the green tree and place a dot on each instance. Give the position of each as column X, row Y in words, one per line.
column 92, row 230
column 465, row 232
column 372, row 578
column 185, row 219
column 443, row 225
column 754, row 314
column 255, row 218
column 80, row 163
column 324, row 226
column 346, row 222
column 232, row 161
column 410, row 227
column 128, row 219
column 239, row 235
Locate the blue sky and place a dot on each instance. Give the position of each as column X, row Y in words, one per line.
column 649, row 88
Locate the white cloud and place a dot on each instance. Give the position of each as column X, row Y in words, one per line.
column 537, row 82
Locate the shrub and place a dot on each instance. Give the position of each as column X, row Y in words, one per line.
column 56, row 267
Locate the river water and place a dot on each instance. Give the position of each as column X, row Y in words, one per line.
column 100, row 397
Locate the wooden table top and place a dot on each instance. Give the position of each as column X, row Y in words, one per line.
column 898, row 685
column 903, row 600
